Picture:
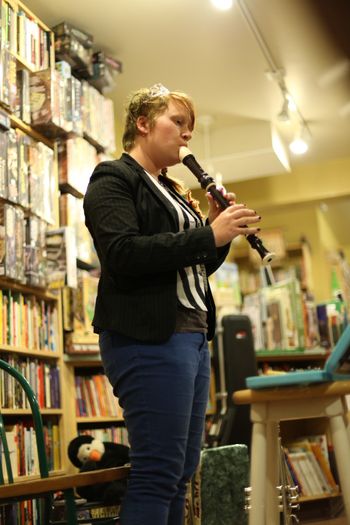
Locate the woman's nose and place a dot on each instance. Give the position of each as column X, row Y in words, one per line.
column 187, row 134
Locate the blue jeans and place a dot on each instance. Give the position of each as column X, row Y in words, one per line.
column 163, row 390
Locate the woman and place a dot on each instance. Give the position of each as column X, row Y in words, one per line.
column 154, row 310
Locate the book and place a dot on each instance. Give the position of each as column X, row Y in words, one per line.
column 77, row 159
column 301, row 474
column 46, row 98
column 283, row 323
column 275, row 338
column 324, row 465
column 56, row 447
column 253, row 309
column 3, row 163
column 12, row 443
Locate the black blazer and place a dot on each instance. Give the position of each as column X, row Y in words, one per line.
column 136, row 234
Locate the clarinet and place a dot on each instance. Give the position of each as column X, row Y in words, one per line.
column 208, row 184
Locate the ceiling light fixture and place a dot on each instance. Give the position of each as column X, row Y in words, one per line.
column 283, row 115
column 223, row 5
column 289, row 110
column 291, row 103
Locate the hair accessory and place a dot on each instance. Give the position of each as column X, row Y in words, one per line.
column 158, row 90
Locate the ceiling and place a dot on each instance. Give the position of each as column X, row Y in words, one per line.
column 215, row 57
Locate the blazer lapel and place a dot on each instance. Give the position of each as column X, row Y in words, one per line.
column 152, row 187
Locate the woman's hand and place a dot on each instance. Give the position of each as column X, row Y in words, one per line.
column 215, row 208
column 231, row 222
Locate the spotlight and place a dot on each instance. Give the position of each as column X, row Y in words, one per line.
column 299, row 145
column 223, row 5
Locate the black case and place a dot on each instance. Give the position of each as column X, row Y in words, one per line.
column 234, row 346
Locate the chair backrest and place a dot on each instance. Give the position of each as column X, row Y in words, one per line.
column 38, row 427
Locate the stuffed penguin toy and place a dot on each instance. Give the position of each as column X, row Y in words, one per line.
column 87, row 453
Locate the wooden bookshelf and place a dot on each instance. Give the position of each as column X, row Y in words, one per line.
column 48, row 300
column 28, row 412
column 30, row 353
column 32, row 64
column 99, row 419
column 304, row 499
column 40, row 293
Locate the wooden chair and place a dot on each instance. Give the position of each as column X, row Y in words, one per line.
column 268, row 408
column 45, row 487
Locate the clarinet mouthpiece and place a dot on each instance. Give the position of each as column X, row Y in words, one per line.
column 184, row 152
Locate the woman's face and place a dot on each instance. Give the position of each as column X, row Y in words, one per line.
column 170, row 131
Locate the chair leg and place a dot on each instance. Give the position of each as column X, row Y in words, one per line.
column 258, row 474
column 272, row 477
column 342, row 455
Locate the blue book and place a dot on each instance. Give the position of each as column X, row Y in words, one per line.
column 337, row 367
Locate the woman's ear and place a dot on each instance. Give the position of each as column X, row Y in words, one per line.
column 142, row 125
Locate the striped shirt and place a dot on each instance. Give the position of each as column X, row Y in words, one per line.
column 191, row 280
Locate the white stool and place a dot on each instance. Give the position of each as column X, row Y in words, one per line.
column 268, row 408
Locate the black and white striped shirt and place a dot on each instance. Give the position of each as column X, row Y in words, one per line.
column 191, row 281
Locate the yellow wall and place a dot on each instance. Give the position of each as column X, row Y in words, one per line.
column 314, row 182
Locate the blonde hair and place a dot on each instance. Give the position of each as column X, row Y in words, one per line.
column 147, row 103
column 150, row 103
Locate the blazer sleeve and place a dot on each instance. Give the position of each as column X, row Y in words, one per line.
column 221, row 256
column 221, row 253
column 113, row 221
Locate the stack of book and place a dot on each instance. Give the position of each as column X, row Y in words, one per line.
column 286, row 318
column 27, row 322
column 94, row 397
column 310, row 466
column 276, row 313
column 41, row 375
column 21, row 440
